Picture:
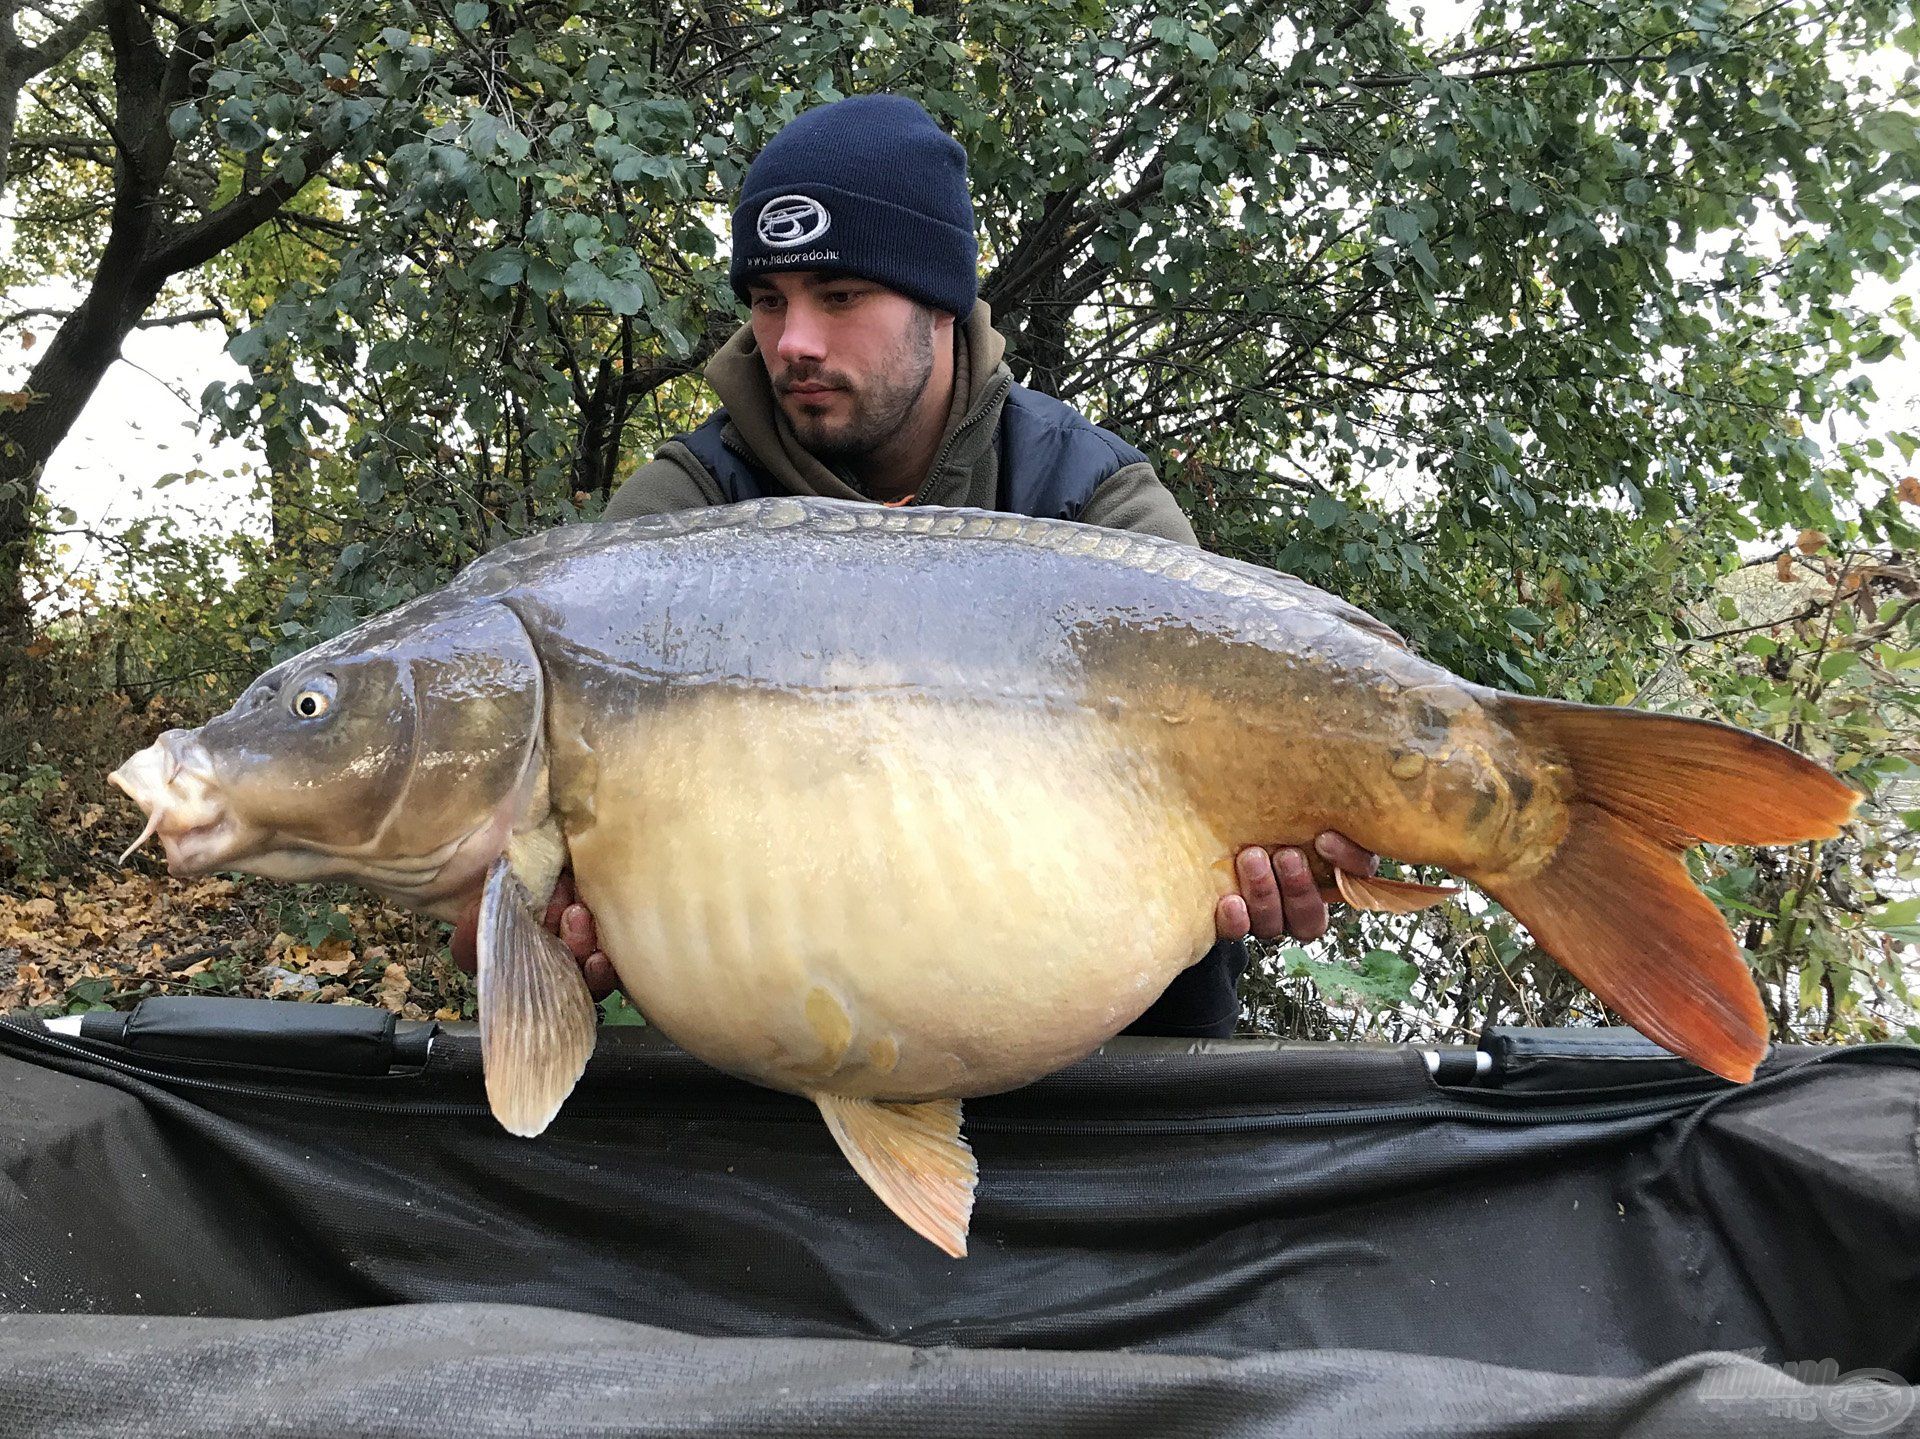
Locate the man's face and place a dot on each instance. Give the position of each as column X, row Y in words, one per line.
column 848, row 359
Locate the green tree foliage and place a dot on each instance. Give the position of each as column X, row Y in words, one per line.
column 121, row 193
column 1514, row 336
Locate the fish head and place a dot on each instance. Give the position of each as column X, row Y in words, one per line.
column 401, row 754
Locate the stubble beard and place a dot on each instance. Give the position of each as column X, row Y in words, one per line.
column 876, row 412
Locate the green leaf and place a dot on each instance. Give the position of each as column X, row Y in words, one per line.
column 1901, row 920
column 657, row 167
column 1400, row 224
column 502, row 267
column 1521, row 679
column 1183, row 178
column 469, row 14
column 1324, row 512
column 1382, row 981
column 1523, row 195
column 616, row 1008
column 586, row 284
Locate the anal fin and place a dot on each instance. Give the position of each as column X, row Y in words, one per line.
column 537, row 1020
column 1390, row 896
column 913, row 1157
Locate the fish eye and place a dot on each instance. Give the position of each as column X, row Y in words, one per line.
column 312, row 699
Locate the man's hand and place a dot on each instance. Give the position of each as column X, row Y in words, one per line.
column 1279, row 895
column 566, row 917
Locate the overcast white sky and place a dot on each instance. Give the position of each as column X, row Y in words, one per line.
column 143, row 423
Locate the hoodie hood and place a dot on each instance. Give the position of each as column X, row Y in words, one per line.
column 980, row 383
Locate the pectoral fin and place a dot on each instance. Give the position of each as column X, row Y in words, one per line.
column 537, row 1019
column 913, row 1157
column 1390, row 896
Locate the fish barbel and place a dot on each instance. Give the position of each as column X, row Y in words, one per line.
column 890, row 808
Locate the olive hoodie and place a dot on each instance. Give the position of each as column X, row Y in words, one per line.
column 966, row 470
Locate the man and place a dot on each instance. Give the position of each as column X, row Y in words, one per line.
column 871, row 371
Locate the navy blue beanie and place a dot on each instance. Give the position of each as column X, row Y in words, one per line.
column 866, row 186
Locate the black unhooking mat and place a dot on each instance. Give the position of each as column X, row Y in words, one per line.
column 215, row 1224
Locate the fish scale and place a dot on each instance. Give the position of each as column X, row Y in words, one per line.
column 893, row 807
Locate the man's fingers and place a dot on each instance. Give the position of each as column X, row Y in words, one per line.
column 562, row 897
column 1266, row 912
column 1306, row 912
column 565, row 916
column 1230, row 917
column 1343, row 853
column 463, row 943
column 576, row 931
column 600, row 976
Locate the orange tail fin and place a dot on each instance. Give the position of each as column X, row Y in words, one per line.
column 1614, row 902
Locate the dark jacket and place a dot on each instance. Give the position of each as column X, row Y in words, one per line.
column 1005, row 448
column 967, row 472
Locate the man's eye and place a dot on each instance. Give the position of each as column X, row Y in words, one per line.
column 842, row 297
column 765, row 302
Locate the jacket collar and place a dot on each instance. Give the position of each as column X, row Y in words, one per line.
column 980, row 384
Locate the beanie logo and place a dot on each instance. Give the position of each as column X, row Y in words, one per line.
column 789, row 220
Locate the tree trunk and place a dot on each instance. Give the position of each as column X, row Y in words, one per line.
column 19, row 64
column 142, row 252
column 60, row 387
column 126, row 281
column 1043, row 337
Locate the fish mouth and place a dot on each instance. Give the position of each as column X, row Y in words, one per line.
column 172, row 780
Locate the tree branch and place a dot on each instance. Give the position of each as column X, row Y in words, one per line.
column 155, row 322
column 198, row 243
column 84, row 147
column 1580, row 62
column 63, row 41
column 1813, row 608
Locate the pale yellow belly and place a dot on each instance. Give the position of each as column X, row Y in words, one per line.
column 890, row 897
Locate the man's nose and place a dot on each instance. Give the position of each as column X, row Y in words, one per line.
column 802, row 336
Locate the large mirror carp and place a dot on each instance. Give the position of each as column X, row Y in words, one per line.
column 888, row 808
